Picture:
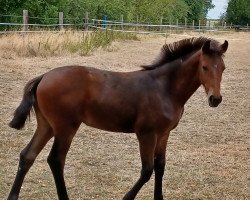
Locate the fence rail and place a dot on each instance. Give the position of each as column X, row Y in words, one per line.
column 85, row 23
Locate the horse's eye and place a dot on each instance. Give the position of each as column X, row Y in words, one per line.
column 204, row 68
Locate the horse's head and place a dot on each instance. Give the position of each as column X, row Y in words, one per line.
column 211, row 67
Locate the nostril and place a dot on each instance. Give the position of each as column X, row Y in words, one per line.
column 214, row 101
column 211, row 98
column 217, row 99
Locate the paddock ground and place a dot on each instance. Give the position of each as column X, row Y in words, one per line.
column 208, row 154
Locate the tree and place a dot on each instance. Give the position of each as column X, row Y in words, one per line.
column 238, row 12
column 152, row 11
column 42, row 9
column 148, row 11
column 10, row 7
column 198, row 9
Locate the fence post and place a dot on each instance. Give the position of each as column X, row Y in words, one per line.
column 185, row 23
column 199, row 25
column 94, row 23
column 105, row 22
column 122, row 22
column 177, row 24
column 170, row 28
column 137, row 21
column 86, row 21
column 193, row 25
column 25, row 20
column 61, row 21
column 161, row 23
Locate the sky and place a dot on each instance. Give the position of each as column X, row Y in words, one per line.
column 220, row 7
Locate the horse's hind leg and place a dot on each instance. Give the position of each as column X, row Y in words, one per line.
column 28, row 155
column 57, row 156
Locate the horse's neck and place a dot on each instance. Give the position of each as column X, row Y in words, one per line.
column 186, row 80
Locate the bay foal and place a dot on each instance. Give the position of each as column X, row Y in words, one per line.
column 149, row 102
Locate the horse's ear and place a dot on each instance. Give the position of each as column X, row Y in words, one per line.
column 206, row 47
column 224, row 46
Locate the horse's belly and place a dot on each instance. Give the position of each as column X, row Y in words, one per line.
column 109, row 122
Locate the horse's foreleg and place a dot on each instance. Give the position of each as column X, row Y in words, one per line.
column 147, row 144
column 159, row 166
column 56, row 160
column 28, row 155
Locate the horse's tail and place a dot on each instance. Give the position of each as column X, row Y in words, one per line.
column 29, row 98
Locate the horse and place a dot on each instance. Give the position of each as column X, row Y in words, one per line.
column 148, row 102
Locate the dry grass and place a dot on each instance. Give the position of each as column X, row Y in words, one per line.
column 47, row 44
column 207, row 154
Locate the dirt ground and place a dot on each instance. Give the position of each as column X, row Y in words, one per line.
column 208, row 154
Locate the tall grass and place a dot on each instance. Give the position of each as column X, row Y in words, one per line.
column 56, row 44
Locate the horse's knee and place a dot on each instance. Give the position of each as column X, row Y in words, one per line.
column 25, row 161
column 159, row 165
column 146, row 173
column 52, row 160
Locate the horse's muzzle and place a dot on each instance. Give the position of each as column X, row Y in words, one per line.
column 214, row 101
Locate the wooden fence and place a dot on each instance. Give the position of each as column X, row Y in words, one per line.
column 164, row 26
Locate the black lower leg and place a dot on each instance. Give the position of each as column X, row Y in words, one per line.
column 57, row 165
column 159, row 167
column 23, row 168
column 146, row 173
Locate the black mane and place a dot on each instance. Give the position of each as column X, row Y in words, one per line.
column 179, row 50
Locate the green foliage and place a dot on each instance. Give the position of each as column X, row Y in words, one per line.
column 198, row 9
column 147, row 11
column 10, row 6
column 152, row 11
column 238, row 12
